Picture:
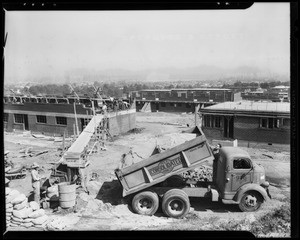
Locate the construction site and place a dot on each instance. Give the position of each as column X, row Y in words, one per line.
column 92, row 198
column 164, row 118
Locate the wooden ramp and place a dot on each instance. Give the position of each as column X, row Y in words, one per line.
column 85, row 136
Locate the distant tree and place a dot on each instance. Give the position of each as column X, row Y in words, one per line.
column 237, row 84
column 265, row 85
column 125, row 89
column 169, row 86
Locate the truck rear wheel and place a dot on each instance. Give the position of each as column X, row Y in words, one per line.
column 250, row 202
column 176, row 203
column 145, row 203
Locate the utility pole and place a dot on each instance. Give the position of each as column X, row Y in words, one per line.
column 196, row 112
column 76, row 122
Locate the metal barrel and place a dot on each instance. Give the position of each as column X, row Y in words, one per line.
column 67, row 194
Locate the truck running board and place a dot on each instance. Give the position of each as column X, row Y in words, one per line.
column 228, row 201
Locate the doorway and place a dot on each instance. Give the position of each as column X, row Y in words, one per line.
column 156, row 106
column 228, row 126
column 26, row 126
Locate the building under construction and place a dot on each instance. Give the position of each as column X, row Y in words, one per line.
column 65, row 115
column 180, row 100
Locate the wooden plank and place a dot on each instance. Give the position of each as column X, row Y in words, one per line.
column 84, row 138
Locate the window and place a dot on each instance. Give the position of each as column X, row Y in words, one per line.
column 41, row 119
column 264, row 123
column 19, row 118
column 286, row 122
column 163, row 104
column 241, row 163
column 171, row 104
column 270, row 123
column 187, row 105
column 217, row 122
column 212, row 121
column 61, row 120
column 179, row 104
column 5, row 117
column 207, row 121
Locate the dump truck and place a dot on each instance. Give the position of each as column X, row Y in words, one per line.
column 158, row 179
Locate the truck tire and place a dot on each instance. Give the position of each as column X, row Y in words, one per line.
column 250, row 201
column 174, row 181
column 145, row 203
column 176, row 203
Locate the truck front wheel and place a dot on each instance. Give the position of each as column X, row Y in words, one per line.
column 176, row 203
column 250, row 201
column 145, row 203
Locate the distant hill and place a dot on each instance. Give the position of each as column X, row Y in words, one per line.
column 205, row 73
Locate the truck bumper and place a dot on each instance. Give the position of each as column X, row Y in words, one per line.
column 266, row 186
column 269, row 195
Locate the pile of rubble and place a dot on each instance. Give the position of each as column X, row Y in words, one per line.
column 21, row 213
column 200, row 174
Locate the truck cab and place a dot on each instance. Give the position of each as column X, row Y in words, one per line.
column 235, row 174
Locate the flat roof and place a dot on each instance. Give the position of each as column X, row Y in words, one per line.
column 252, row 106
column 184, row 89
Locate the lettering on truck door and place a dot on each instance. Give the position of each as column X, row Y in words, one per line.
column 241, row 172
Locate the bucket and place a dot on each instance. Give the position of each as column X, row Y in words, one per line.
column 52, row 191
column 67, row 194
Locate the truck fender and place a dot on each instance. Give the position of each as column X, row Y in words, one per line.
column 250, row 187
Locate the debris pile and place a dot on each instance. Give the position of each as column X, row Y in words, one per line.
column 28, row 152
column 57, row 224
column 200, row 174
column 21, row 213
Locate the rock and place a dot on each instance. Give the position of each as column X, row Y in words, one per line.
column 23, row 213
column 26, row 220
column 9, row 205
column 7, row 190
column 21, row 205
column 16, row 219
column 27, row 224
column 9, row 210
column 40, row 220
column 13, row 225
column 19, row 199
column 34, row 205
column 37, row 213
column 12, row 195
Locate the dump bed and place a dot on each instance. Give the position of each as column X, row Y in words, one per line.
column 159, row 167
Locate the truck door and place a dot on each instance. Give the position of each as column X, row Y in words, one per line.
column 241, row 173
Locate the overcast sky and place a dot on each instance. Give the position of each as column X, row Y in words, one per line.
column 44, row 43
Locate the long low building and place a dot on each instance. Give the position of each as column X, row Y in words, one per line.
column 180, row 99
column 246, row 120
column 51, row 116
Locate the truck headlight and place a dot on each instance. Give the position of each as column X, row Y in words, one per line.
column 265, row 184
column 262, row 177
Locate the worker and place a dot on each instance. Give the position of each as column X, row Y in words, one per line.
column 104, row 108
column 36, row 185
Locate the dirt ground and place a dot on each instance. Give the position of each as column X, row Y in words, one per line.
column 105, row 209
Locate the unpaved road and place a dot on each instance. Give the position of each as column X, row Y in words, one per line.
column 105, row 209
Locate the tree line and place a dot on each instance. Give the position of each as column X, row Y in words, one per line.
column 117, row 89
